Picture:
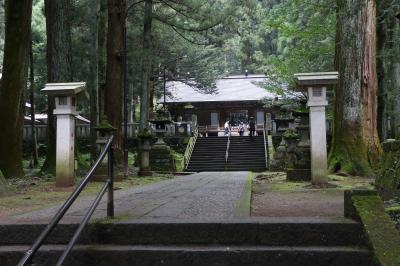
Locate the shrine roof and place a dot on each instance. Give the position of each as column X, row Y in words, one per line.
column 231, row 88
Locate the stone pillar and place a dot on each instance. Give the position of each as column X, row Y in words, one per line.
column 65, row 98
column 315, row 84
column 145, row 158
column 319, row 165
column 65, row 150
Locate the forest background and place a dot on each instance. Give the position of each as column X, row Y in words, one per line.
column 198, row 41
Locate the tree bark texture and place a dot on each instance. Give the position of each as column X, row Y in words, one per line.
column 146, row 65
column 388, row 69
column 115, row 69
column 102, row 54
column 15, row 68
column 59, row 65
column 356, row 147
column 32, row 110
column 5, row 188
column 93, row 82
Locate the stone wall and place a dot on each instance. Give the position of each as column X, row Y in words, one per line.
column 388, row 180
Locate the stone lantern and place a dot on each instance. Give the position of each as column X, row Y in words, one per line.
column 105, row 130
column 65, row 111
column 160, row 156
column 160, row 123
column 315, row 85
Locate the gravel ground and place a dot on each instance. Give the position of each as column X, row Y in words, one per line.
column 273, row 196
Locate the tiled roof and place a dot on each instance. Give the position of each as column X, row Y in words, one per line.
column 232, row 88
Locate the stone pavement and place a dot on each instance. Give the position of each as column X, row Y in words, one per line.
column 202, row 196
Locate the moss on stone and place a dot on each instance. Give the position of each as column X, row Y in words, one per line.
column 393, row 209
column 243, row 206
column 179, row 161
column 109, row 220
column 382, row 235
column 388, row 179
column 352, row 165
column 290, row 134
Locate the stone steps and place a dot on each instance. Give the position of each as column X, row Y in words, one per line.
column 245, row 154
column 151, row 255
column 250, row 241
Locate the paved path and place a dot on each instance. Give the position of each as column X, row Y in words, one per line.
column 202, row 196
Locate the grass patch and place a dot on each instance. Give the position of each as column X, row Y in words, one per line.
column 36, row 193
column 243, row 206
column 276, row 182
column 108, row 220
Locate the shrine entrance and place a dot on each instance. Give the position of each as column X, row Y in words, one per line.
column 237, row 117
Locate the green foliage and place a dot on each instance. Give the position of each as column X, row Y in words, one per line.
column 305, row 38
column 183, row 44
column 39, row 54
column 179, row 161
column 83, row 160
column 146, row 134
column 279, row 38
column 199, row 41
column 290, row 134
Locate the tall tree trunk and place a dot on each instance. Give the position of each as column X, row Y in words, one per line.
column 59, row 65
column 32, row 102
column 93, row 82
column 395, row 74
column 102, row 54
column 5, row 188
column 115, row 69
column 383, row 103
column 388, row 69
column 15, row 67
column 147, row 62
column 356, row 147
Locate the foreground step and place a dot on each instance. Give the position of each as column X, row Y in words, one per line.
column 270, row 232
column 250, row 241
column 106, row 255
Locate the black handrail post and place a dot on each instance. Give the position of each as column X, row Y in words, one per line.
column 110, row 201
column 27, row 258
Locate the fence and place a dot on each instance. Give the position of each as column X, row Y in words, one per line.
column 82, row 131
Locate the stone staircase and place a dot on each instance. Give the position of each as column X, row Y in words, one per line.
column 266, row 241
column 208, row 155
column 245, row 154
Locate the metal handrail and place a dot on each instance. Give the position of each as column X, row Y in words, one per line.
column 29, row 254
column 190, row 148
column 227, row 149
column 266, row 148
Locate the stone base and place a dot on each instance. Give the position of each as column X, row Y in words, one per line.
column 101, row 174
column 103, row 178
column 64, row 182
column 276, row 140
column 161, row 158
column 276, row 167
column 145, row 173
column 298, row 175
